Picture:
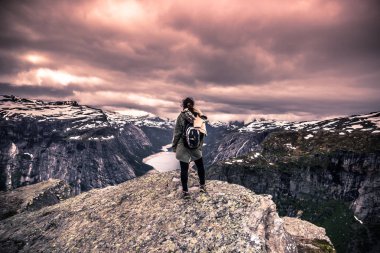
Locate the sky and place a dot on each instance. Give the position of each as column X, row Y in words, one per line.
column 239, row 60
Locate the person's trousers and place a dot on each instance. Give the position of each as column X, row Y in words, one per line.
column 185, row 172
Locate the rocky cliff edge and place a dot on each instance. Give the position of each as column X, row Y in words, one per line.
column 33, row 197
column 147, row 214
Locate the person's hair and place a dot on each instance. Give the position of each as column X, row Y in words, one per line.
column 187, row 101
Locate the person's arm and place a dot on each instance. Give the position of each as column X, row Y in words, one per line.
column 177, row 132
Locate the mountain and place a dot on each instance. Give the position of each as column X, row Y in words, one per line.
column 327, row 172
column 217, row 131
column 86, row 147
column 242, row 139
column 146, row 214
column 158, row 130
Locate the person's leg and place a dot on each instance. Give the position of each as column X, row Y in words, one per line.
column 184, row 174
column 201, row 171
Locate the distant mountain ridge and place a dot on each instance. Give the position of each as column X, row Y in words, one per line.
column 78, row 123
column 16, row 107
column 13, row 105
column 244, row 139
column 365, row 122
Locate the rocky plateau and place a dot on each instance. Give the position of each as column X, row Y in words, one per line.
column 147, row 214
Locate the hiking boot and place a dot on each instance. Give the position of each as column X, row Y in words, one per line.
column 185, row 195
column 202, row 188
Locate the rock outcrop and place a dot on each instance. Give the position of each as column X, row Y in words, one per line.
column 33, row 197
column 309, row 238
column 147, row 214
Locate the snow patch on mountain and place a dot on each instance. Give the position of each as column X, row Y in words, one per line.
column 84, row 117
column 308, row 136
column 367, row 122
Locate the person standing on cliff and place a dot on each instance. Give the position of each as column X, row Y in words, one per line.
column 184, row 154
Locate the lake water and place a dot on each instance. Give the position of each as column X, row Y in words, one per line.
column 163, row 161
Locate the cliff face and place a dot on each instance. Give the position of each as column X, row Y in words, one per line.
column 232, row 145
column 319, row 177
column 146, row 214
column 316, row 178
column 216, row 134
column 158, row 130
column 86, row 147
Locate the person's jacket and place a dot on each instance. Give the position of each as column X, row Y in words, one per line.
column 199, row 121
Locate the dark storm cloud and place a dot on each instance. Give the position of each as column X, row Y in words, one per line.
column 10, row 65
column 349, row 43
column 282, row 106
column 34, row 91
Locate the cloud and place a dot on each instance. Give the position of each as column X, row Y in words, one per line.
column 35, row 91
column 45, row 75
column 307, row 59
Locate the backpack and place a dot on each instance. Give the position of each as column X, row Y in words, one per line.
column 192, row 136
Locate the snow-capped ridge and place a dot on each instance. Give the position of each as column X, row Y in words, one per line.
column 18, row 99
column 230, row 125
column 365, row 122
column 89, row 117
column 85, row 116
